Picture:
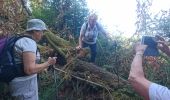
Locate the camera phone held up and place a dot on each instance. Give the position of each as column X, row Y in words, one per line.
column 152, row 49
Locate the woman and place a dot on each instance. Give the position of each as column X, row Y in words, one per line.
column 89, row 33
column 25, row 51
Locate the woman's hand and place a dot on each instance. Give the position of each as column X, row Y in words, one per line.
column 140, row 48
column 162, row 45
column 52, row 60
column 78, row 47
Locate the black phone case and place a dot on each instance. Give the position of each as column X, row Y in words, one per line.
column 151, row 50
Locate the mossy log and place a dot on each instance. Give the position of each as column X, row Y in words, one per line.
column 93, row 74
column 60, row 42
column 82, row 69
column 60, row 45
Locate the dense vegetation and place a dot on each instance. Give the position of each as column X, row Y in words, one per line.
column 114, row 56
column 65, row 17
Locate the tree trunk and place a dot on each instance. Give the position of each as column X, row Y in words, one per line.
column 93, row 74
column 81, row 69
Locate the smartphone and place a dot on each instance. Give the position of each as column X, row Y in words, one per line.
column 152, row 49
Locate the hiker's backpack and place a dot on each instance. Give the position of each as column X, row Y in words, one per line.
column 97, row 25
column 89, row 38
column 8, row 68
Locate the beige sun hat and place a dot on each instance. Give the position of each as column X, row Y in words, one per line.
column 36, row 24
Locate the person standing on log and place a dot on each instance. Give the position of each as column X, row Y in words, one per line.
column 89, row 33
column 26, row 52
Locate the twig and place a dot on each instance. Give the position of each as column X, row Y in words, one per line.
column 85, row 80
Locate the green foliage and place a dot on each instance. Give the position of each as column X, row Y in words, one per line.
column 45, row 11
column 126, row 94
column 144, row 20
column 116, row 55
column 149, row 24
column 163, row 28
column 65, row 16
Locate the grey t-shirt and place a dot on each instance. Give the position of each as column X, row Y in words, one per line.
column 158, row 92
column 90, row 35
column 25, row 87
column 25, row 45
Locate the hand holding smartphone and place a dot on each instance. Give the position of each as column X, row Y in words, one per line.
column 152, row 49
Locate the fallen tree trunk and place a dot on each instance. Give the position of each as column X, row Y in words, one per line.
column 93, row 74
column 84, row 70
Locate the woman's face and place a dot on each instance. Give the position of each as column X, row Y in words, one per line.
column 92, row 21
column 38, row 35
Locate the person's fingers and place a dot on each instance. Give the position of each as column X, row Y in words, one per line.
column 136, row 45
column 140, row 47
column 161, row 42
column 145, row 46
column 54, row 57
column 52, row 60
column 160, row 38
column 78, row 47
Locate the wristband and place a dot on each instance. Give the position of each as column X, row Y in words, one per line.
column 139, row 53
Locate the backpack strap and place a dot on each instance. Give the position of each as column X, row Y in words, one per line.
column 86, row 26
column 86, row 23
column 12, row 55
column 19, row 37
column 9, row 45
column 38, row 51
column 8, row 67
column 97, row 25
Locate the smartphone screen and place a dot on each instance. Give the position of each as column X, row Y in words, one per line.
column 151, row 50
